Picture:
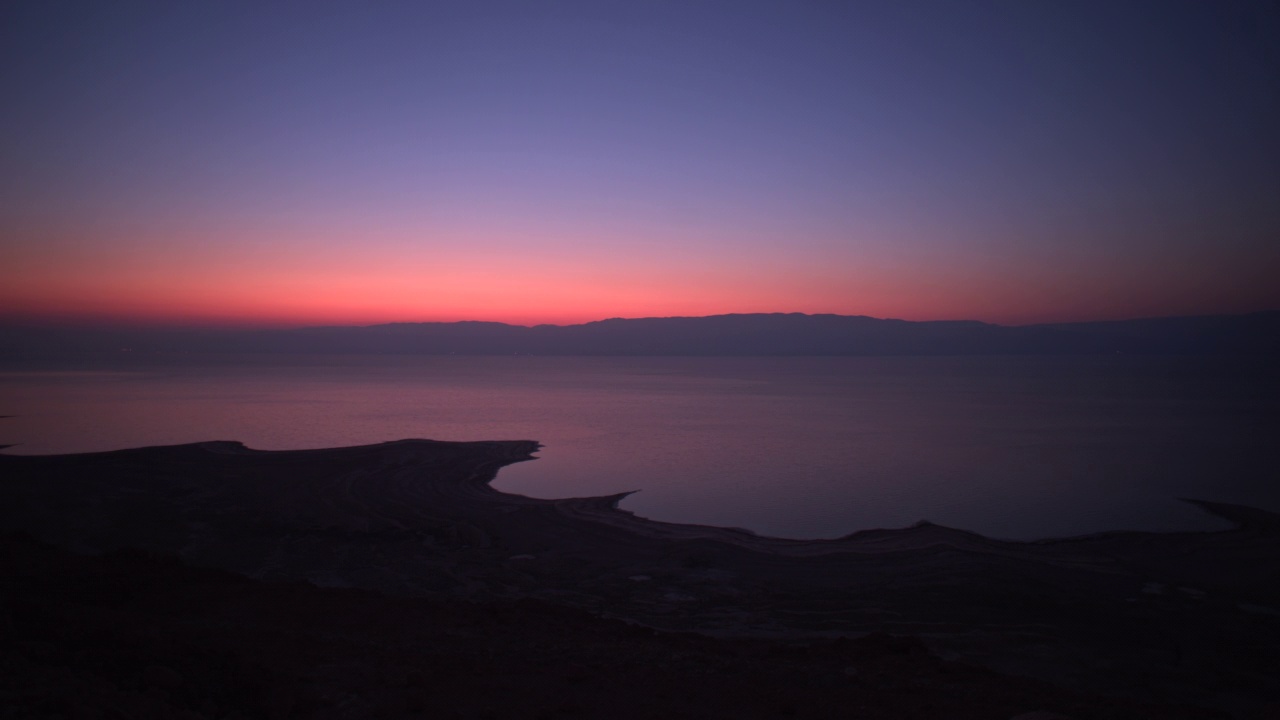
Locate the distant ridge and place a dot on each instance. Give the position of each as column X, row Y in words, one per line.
column 771, row 334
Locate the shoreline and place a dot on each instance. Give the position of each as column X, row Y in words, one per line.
column 1112, row 612
column 607, row 508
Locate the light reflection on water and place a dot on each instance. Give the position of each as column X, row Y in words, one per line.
column 797, row 447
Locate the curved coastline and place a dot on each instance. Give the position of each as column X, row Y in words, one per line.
column 605, row 509
column 402, row 484
column 420, row 517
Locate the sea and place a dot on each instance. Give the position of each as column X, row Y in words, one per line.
column 802, row 447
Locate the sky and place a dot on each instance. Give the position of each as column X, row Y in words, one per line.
column 560, row 162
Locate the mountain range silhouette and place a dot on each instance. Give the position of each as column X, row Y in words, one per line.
column 763, row 334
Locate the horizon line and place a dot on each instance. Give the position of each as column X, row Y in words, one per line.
column 214, row 325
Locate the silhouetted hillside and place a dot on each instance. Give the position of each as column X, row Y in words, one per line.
column 757, row 334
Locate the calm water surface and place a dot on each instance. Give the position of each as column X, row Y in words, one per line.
column 795, row 447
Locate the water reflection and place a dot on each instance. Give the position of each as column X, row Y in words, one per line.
column 798, row 447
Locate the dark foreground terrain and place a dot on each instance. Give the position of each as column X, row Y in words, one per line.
column 392, row 580
column 131, row 635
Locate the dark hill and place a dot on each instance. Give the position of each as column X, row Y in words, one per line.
column 754, row 334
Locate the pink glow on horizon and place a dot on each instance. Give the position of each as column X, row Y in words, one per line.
column 215, row 299
column 292, row 276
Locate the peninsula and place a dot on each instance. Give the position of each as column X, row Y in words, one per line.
column 1185, row 622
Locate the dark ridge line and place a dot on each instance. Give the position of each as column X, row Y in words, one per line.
column 727, row 335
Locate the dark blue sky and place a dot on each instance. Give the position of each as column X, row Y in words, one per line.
column 555, row 161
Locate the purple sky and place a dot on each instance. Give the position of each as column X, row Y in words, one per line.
column 567, row 161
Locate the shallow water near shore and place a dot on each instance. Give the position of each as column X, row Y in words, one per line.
column 794, row 447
